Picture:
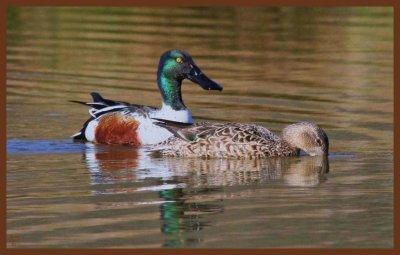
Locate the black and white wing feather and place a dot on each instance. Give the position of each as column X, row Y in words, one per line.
column 101, row 106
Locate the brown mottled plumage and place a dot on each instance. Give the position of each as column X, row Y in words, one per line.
column 237, row 140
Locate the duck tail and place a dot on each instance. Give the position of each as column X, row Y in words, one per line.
column 80, row 136
column 78, row 102
column 97, row 98
column 100, row 102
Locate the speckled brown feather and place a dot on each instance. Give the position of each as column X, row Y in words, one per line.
column 225, row 140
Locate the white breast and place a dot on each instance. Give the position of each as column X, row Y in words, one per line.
column 150, row 133
column 166, row 112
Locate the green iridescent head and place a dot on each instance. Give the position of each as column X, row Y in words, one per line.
column 174, row 66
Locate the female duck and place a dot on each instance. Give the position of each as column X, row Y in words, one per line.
column 235, row 140
column 115, row 122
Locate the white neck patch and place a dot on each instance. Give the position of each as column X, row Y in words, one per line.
column 166, row 112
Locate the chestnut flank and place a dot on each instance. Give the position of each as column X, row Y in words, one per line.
column 117, row 129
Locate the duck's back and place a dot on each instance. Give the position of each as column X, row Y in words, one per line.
column 226, row 140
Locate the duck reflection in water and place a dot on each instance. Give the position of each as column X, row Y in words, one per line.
column 189, row 188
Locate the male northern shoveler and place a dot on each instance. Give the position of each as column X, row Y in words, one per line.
column 236, row 140
column 115, row 122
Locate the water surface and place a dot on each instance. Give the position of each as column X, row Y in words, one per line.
column 278, row 66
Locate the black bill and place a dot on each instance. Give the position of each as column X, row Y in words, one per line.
column 196, row 76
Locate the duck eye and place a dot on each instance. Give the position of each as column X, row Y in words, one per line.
column 179, row 60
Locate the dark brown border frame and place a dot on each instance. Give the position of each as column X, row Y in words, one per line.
column 321, row 3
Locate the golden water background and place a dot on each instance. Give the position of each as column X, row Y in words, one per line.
column 278, row 66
